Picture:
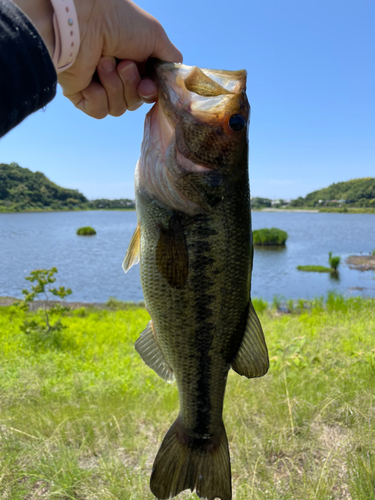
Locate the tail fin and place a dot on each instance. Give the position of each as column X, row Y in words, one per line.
column 184, row 462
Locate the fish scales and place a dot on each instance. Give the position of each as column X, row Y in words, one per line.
column 196, row 261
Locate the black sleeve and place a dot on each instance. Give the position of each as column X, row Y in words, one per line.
column 27, row 75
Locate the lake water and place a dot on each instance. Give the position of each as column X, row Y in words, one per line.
column 91, row 266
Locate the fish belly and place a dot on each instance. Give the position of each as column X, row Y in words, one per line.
column 199, row 326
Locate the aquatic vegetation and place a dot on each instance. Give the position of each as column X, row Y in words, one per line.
column 334, row 261
column 276, row 301
column 314, row 269
column 270, row 237
column 82, row 419
column 86, row 231
column 260, row 305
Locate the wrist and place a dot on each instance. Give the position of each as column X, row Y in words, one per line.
column 40, row 13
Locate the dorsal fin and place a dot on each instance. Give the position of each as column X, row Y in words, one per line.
column 133, row 251
column 201, row 84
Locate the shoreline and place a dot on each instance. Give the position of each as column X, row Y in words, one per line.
column 37, row 304
column 269, row 210
column 68, row 210
column 288, row 210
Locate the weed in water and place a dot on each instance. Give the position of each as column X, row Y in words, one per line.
column 86, row 231
column 260, row 305
column 301, row 304
column 276, row 302
column 270, row 237
column 291, row 306
column 314, row 269
column 334, row 261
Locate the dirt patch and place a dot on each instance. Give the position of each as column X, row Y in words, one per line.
column 361, row 262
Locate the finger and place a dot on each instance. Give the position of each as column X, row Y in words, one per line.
column 113, row 86
column 148, row 90
column 164, row 48
column 92, row 100
column 130, row 77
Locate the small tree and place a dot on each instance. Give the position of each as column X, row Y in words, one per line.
column 334, row 261
column 44, row 323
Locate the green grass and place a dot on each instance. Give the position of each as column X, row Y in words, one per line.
column 315, row 269
column 82, row 417
column 270, row 237
column 333, row 260
column 352, row 210
column 86, row 231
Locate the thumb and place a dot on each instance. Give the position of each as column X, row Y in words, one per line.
column 164, row 48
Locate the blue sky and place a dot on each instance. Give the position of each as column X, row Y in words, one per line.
column 311, row 86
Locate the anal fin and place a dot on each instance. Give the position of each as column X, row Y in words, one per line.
column 252, row 357
column 148, row 348
column 133, row 251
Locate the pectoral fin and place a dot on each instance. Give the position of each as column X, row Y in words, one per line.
column 252, row 357
column 172, row 255
column 133, row 251
column 148, row 348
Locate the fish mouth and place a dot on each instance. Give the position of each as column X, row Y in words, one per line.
column 221, row 81
column 207, row 97
column 194, row 89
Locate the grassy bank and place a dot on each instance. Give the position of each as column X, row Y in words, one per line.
column 82, row 417
column 345, row 210
column 15, row 210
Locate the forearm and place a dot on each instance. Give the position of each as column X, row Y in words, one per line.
column 40, row 12
column 28, row 78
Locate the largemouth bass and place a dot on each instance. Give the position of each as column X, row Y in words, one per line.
column 194, row 243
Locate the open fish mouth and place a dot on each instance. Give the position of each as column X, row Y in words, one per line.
column 197, row 127
column 194, row 89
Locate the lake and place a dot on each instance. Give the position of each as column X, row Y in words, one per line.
column 91, row 266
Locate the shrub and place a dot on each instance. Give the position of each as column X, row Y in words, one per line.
column 334, row 261
column 48, row 318
column 271, row 237
column 86, row 231
column 373, row 252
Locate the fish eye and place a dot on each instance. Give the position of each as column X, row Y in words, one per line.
column 237, row 123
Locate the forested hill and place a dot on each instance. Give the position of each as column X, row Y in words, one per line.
column 23, row 190
column 357, row 192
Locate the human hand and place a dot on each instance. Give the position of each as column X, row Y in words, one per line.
column 110, row 30
column 117, row 36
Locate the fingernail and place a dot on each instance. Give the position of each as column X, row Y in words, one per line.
column 129, row 72
column 149, row 98
column 107, row 65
